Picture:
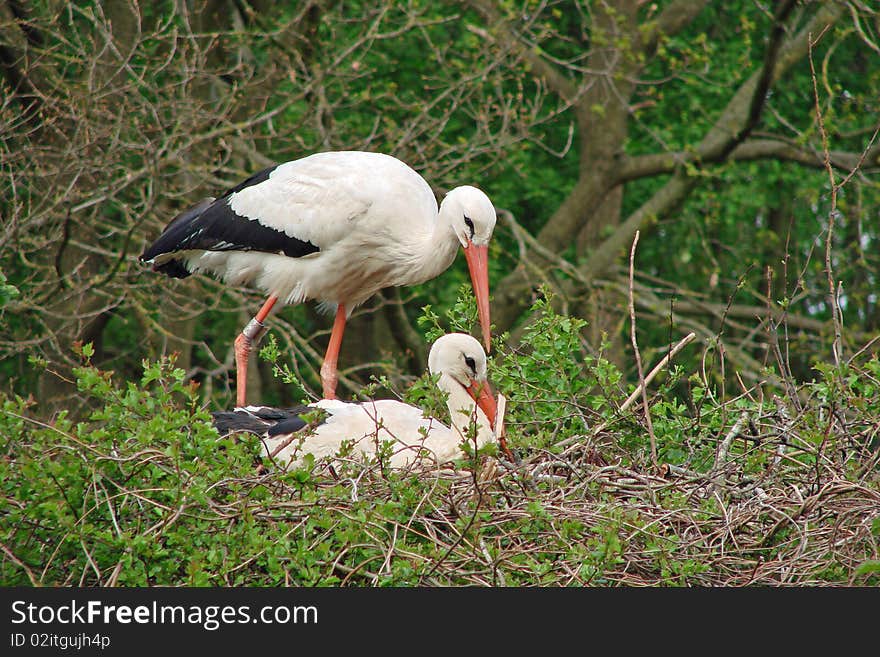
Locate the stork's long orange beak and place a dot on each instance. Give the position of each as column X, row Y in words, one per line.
column 478, row 263
column 481, row 392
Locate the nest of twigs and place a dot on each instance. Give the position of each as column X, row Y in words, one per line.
column 576, row 515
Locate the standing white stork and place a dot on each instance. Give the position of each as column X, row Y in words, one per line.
column 336, row 227
column 460, row 362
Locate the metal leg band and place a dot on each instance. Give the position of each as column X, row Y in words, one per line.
column 254, row 330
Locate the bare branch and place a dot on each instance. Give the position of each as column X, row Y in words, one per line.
column 643, row 166
column 555, row 79
column 646, row 409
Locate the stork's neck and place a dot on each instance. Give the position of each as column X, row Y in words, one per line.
column 431, row 252
column 463, row 410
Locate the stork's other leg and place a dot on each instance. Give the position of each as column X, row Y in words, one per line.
column 244, row 343
column 329, row 378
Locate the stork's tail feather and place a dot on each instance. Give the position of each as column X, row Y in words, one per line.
column 177, row 236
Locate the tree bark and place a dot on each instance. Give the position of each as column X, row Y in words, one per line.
column 600, row 171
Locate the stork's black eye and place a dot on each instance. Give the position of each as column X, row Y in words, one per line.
column 470, row 362
column 470, row 225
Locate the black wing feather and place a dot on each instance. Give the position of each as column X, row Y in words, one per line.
column 212, row 225
column 262, row 420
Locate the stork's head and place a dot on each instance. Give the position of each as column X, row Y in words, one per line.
column 461, row 357
column 472, row 217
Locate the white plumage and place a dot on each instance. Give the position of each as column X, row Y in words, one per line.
column 460, row 362
column 335, row 227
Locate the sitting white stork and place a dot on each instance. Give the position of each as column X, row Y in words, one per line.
column 460, row 362
column 335, row 227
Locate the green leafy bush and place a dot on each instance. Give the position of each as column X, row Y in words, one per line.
column 143, row 491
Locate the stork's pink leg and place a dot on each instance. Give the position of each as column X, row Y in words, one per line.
column 329, row 378
column 244, row 343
